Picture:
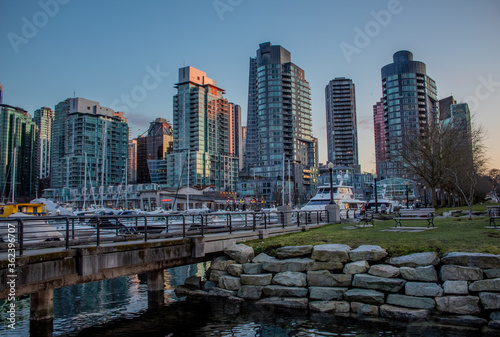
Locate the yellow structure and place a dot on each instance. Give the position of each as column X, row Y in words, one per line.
column 28, row 208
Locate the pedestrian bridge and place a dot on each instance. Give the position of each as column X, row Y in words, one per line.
column 28, row 267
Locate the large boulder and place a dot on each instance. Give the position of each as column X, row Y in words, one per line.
column 423, row 289
column 378, row 283
column 492, row 273
column 182, row 291
column 295, row 264
column 357, row 267
column 490, row 301
column 479, row 260
column 235, row 269
column 364, row 296
column 368, row 252
column 249, row 292
column 252, row 268
column 229, row 282
column 456, row 288
column 463, row 320
column 285, row 302
column 293, row 251
column 403, row 314
column 411, row 301
column 240, row 253
column 485, row 285
column 214, row 275
column 326, row 293
column 330, row 265
column 423, row 274
column 193, row 282
column 290, row 279
column 415, row 260
column 256, row 280
column 331, row 252
column 460, row 305
column 219, row 292
column 364, row 309
column 263, row 257
column 323, row 278
column 281, row 291
column 384, row 270
column 330, row 306
column 221, row 263
column 458, row 273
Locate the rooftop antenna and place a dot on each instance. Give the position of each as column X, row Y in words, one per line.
column 74, row 94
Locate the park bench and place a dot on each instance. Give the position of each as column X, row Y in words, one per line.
column 415, row 214
column 366, row 218
column 493, row 214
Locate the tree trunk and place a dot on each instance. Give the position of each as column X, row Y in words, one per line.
column 434, row 198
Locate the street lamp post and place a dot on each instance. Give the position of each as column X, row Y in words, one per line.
column 330, row 167
column 407, row 190
column 425, row 196
column 375, row 185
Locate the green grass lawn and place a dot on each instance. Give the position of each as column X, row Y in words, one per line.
column 450, row 235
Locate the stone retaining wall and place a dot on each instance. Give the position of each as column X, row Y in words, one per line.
column 459, row 289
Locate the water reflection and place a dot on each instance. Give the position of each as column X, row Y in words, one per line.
column 118, row 308
column 85, row 305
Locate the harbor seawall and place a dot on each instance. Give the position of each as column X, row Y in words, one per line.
column 460, row 289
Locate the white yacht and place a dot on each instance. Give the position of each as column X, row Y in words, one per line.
column 343, row 196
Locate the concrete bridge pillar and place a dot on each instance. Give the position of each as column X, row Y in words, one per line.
column 42, row 313
column 156, row 292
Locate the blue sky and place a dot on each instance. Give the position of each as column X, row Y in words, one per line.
column 108, row 50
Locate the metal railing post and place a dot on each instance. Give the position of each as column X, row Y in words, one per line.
column 67, row 232
column 20, row 225
column 145, row 228
column 98, row 230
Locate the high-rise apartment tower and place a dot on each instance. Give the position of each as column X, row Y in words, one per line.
column 410, row 107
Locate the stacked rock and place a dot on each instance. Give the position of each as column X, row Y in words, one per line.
column 459, row 289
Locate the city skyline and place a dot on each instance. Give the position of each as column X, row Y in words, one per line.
column 110, row 56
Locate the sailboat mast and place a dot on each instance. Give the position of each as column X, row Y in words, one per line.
column 187, row 191
column 85, row 182
column 103, row 162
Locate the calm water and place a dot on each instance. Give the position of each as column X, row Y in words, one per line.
column 118, row 308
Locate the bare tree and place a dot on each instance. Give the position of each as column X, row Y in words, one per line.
column 468, row 166
column 424, row 156
column 450, row 157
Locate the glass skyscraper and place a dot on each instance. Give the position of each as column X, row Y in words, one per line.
column 89, row 145
column 279, row 126
column 44, row 117
column 201, row 135
column 379, row 132
column 18, row 164
column 341, row 124
column 410, row 107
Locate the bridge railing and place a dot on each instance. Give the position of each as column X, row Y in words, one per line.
column 18, row 234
